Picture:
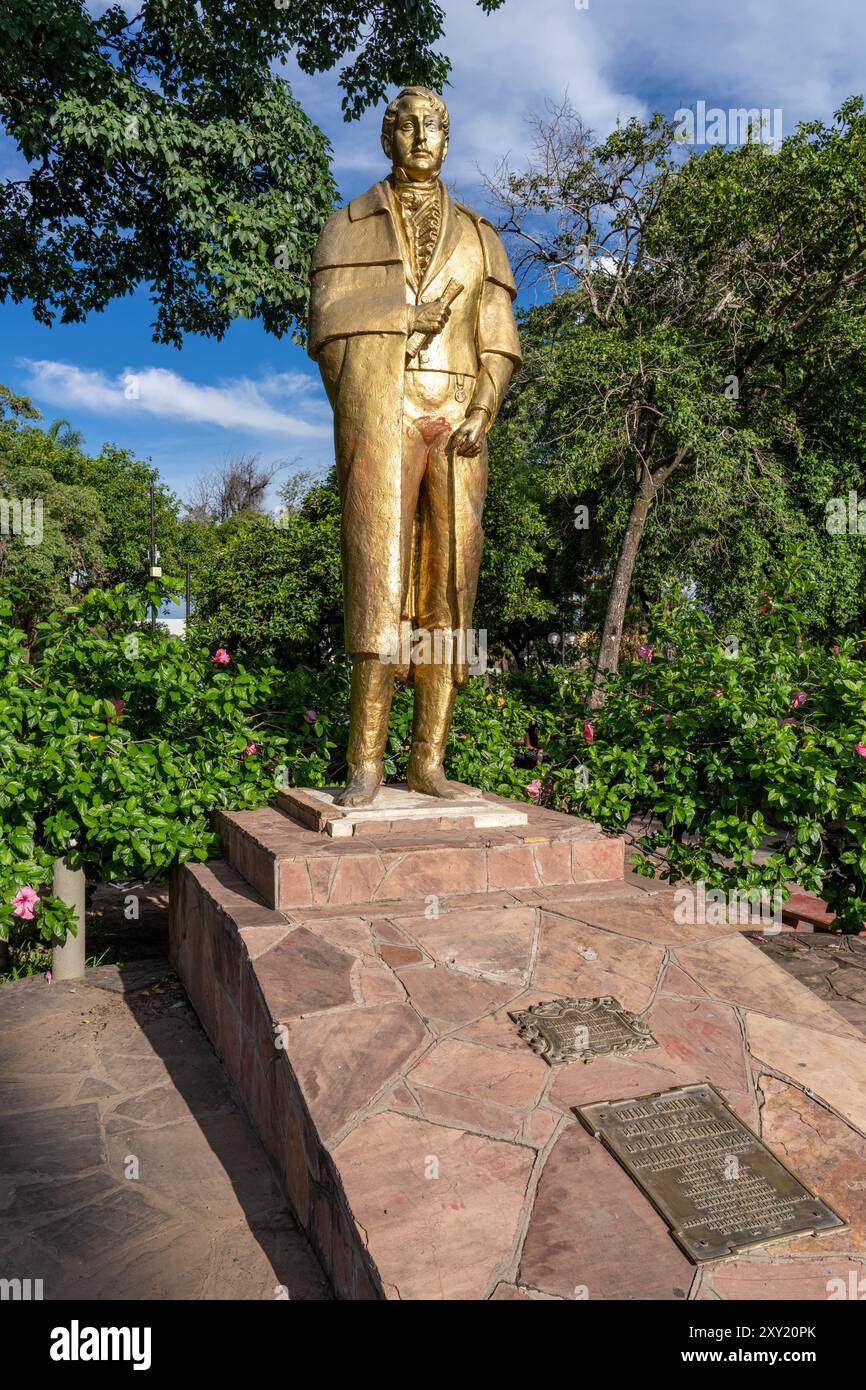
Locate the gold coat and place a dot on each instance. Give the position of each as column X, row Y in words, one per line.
column 362, row 290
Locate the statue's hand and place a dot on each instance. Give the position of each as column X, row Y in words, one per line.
column 430, row 318
column 468, row 437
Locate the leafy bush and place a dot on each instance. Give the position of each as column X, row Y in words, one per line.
column 116, row 743
column 750, row 764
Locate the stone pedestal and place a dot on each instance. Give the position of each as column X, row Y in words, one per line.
column 358, row 989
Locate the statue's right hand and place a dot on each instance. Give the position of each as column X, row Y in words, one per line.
column 431, row 318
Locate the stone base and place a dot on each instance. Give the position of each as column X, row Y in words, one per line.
column 426, row 1150
column 296, row 866
column 396, row 808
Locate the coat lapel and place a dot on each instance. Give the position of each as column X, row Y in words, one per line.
column 446, row 245
column 378, row 200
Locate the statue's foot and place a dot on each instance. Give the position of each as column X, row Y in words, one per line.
column 431, row 781
column 362, row 788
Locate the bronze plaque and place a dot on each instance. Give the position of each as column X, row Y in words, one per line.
column 719, row 1188
column 565, row 1030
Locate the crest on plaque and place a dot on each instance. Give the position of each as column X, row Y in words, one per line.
column 570, row 1030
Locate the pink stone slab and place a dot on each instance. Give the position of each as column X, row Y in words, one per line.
column 826, row 1154
column 440, row 1207
column 832, row 1067
column 777, row 1277
column 649, row 919
column 468, row 1112
column 469, row 1069
column 735, row 969
column 345, row 1058
column 584, row 962
column 593, row 1235
column 447, row 998
column 495, row 943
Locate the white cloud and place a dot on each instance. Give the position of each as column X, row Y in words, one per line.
column 232, row 405
column 615, row 59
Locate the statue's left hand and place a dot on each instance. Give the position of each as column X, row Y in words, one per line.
column 468, row 437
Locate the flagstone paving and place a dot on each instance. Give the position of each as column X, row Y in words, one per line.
column 833, row 967
column 427, row 1150
column 128, row 1169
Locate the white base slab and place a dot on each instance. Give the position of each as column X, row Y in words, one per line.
column 398, row 803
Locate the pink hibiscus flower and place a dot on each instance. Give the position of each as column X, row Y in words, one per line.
column 860, row 750
column 588, row 732
column 250, row 749
column 24, row 903
column 310, row 716
column 221, row 657
column 533, row 788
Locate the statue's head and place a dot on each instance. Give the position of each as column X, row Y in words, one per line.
column 415, row 132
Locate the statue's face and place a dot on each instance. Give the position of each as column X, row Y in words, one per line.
column 419, row 142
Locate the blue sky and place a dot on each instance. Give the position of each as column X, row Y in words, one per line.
column 614, row 58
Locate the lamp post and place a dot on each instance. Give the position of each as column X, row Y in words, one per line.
column 154, row 570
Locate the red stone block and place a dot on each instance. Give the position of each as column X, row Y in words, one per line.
column 420, row 872
column 554, row 862
column 356, row 878
column 295, row 887
column 600, row 858
column 512, row 866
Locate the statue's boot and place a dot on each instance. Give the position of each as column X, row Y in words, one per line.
column 369, row 708
column 434, row 702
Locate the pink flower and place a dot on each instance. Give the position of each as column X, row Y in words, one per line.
column 221, row 657
column 800, row 698
column 666, row 719
column 24, row 902
column 49, row 977
column 860, row 750
column 588, row 732
column 310, row 716
column 645, row 653
column 646, row 707
column 717, row 692
column 118, row 706
column 249, row 750
column 533, row 788
column 835, row 646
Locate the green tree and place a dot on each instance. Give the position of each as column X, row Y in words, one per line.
column 163, row 148
column 272, row 592
column 518, row 593
column 120, row 483
column 704, row 357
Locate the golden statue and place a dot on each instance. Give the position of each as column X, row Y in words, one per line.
column 412, row 327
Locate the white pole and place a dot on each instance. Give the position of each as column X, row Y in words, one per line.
column 67, row 960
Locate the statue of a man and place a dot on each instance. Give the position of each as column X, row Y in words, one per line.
column 412, row 326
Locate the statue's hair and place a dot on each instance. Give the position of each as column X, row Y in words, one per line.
column 389, row 120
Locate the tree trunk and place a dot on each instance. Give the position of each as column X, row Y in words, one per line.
column 611, row 637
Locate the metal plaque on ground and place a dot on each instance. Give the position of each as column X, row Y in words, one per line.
column 563, row 1030
column 719, row 1188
